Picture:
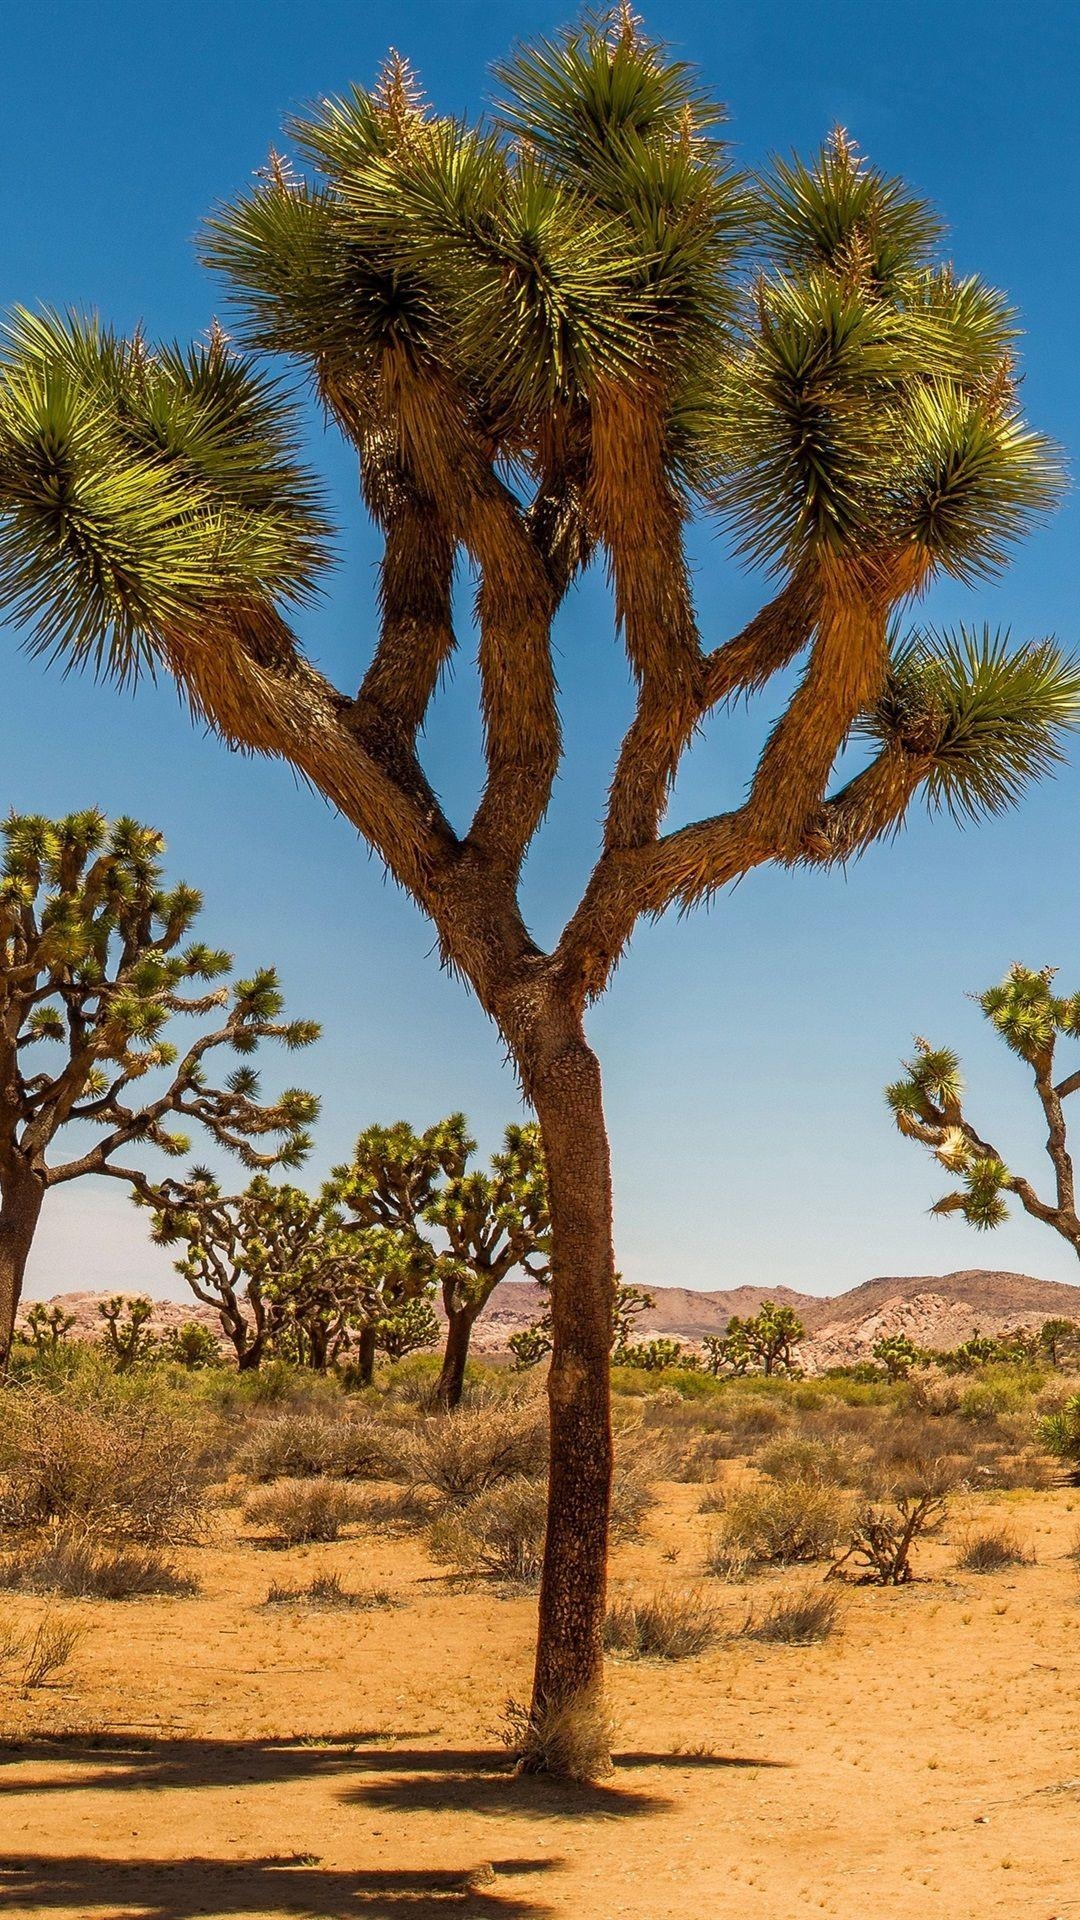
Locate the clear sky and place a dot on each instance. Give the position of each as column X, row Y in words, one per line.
column 744, row 1050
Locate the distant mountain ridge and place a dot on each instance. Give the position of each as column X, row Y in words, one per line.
column 934, row 1310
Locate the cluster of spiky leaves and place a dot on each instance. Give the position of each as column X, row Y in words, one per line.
column 400, row 1181
column 927, row 1102
column 142, row 490
column 95, row 960
column 546, row 335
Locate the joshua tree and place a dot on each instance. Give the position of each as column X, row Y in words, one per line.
column 287, row 1271
column 551, row 338
column 401, row 1181
column 928, row 1105
column 94, row 967
column 761, row 1344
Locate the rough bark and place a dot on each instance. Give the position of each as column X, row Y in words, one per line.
column 365, row 1356
column 460, row 1323
column 20, row 1209
column 570, row 1648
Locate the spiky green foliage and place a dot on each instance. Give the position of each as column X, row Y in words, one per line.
column 928, row 1105
column 485, row 1224
column 142, row 490
column 97, row 972
column 992, row 717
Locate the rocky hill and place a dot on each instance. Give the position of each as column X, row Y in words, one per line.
column 935, row 1311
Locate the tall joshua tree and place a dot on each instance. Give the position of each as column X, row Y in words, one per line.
column 548, row 338
column 95, row 967
column 928, row 1105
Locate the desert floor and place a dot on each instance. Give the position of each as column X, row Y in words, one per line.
column 202, row 1756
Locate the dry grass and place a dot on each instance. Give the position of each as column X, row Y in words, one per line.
column 295, row 1512
column 325, row 1593
column 991, row 1551
column 783, row 1521
column 571, row 1741
column 39, row 1655
column 464, row 1453
column 309, row 1445
column 129, row 1470
column 669, row 1625
column 499, row 1534
column 801, row 1619
column 82, row 1569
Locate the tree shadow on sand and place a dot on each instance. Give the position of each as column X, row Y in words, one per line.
column 374, row 1771
column 181, row 1890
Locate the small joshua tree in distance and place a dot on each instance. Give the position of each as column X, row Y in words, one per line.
column 928, row 1104
column 95, row 966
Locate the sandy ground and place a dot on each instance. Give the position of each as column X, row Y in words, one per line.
column 203, row 1757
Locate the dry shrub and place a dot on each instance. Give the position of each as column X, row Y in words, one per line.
column 714, row 1499
column 668, row 1626
column 800, row 1619
column 46, row 1652
column 298, row 1511
column 991, row 1551
column 326, row 1593
column 400, row 1510
column 462, row 1454
column 797, row 1457
column 726, row 1562
column 127, row 1469
column 571, row 1741
column 76, row 1566
column 883, row 1537
column 783, row 1521
column 980, row 1457
column 499, row 1533
column 309, row 1445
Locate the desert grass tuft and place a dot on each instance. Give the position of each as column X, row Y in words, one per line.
column 83, row 1569
column 991, row 1551
column 325, row 1593
column 669, row 1625
column 801, row 1619
column 571, row 1741
column 296, row 1512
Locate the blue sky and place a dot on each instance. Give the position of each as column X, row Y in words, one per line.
column 744, row 1050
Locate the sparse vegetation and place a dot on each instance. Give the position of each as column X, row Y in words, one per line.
column 89, row 1455
column 801, row 1619
column 295, row 1512
column 991, row 1550
column 499, row 1532
column 783, row 1522
column 667, row 1625
column 77, row 1567
column 325, row 1593
column 883, row 1537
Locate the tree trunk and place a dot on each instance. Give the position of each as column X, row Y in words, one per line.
column 20, row 1210
column 566, row 1092
column 460, row 1323
column 365, row 1356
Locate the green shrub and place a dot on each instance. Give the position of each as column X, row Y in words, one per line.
column 1060, row 1432
column 669, row 1625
